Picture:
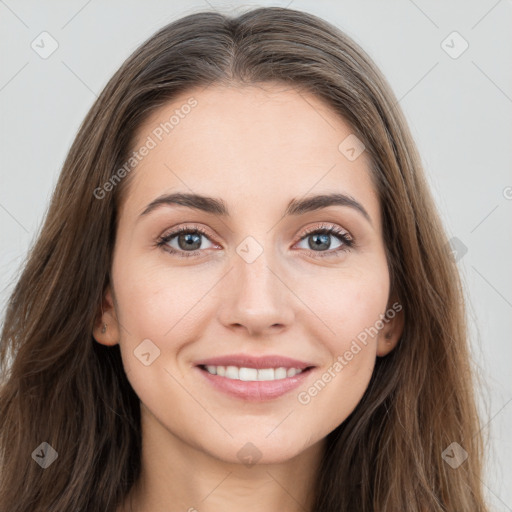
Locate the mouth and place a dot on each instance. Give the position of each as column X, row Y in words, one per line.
column 255, row 380
column 247, row 374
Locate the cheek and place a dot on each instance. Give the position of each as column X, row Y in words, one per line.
column 347, row 302
column 166, row 306
column 153, row 298
column 350, row 306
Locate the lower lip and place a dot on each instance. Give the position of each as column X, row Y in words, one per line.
column 256, row 390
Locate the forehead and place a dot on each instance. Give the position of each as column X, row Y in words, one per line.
column 253, row 146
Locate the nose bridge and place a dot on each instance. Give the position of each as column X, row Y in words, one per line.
column 256, row 296
column 255, row 276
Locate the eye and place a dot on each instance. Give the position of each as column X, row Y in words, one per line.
column 188, row 240
column 318, row 238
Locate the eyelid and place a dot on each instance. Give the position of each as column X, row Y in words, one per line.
column 187, row 227
column 326, row 226
column 331, row 228
column 311, row 229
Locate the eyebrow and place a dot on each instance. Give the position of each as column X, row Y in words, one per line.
column 217, row 206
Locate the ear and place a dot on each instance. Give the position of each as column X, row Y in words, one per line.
column 391, row 333
column 106, row 327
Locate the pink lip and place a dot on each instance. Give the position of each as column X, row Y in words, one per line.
column 255, row 391
column 247, row 361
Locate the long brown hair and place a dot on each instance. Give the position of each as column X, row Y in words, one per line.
column 61, row 387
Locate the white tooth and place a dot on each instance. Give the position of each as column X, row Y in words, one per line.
column 248, row 374
column 280, row 373
column 252, row 374
column 231, row 372
column 266, row 374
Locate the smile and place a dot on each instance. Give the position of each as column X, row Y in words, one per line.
column 252, row 374
column 251, row 384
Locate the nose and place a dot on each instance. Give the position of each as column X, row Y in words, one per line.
column 256, row 298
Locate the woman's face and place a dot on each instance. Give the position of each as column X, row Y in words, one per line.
column 259, row 279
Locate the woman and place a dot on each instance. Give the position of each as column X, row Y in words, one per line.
column 241, row 295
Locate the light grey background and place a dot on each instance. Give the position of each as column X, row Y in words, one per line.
column 459, row 110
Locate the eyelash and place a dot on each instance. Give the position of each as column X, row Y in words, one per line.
column 324, row 229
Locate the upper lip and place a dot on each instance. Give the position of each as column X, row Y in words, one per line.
column 248, row 361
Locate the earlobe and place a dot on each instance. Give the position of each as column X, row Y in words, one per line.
column 105, row 330
column 386, row 343
column 102, row 335
column 392, row 331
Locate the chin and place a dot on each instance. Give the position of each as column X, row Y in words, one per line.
column 257, row 450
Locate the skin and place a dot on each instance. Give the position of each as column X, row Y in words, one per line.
column 256, row 148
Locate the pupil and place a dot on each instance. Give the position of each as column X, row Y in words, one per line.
column 324, row 243
column 189, row 241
